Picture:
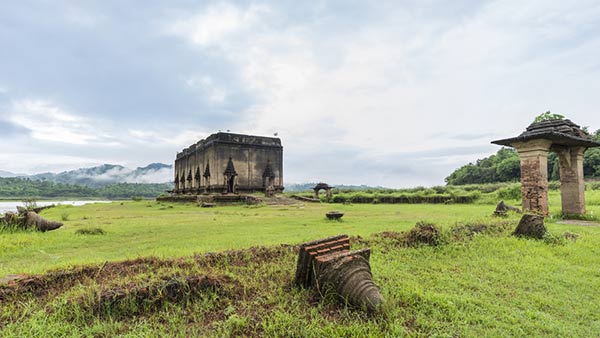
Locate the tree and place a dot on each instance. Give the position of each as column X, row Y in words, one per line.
column 500, row 167
column 553, row 167
column 591, row 159
column 509, row 169
column 505, row 166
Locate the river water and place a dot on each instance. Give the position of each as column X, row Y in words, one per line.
column 12, row 205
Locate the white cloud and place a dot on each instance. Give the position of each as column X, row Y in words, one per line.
column 122, row 174
column 154, row 176
column 391, row 87
column 173, row 138
column 217, row 23
column 49, row 122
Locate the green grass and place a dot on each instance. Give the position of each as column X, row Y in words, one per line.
column 148, row 228
column 490, row 285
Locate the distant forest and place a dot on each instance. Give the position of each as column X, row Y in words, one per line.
column 504, row 166
column 14, row 188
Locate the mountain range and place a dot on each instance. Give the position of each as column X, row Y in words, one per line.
column 105, row 174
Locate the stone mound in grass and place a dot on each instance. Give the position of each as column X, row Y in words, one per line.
column 502, row 209
column 29, row 220
column 531, row 226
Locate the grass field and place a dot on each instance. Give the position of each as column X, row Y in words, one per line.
column 489, row 284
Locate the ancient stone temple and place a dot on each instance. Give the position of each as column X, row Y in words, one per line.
column 230, row 163
column 569, row 142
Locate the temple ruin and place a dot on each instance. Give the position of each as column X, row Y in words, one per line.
column 569, row 142
column 230, row 163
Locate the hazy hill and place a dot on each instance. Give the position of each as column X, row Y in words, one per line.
column 8, row 174
column 104, row 175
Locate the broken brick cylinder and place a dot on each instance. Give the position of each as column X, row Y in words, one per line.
column 329, row 265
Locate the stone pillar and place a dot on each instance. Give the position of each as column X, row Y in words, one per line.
column 534, row 174
column 572, row 184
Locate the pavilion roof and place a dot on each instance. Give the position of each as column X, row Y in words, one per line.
column 560, row 132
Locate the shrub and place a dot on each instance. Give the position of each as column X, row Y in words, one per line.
column 548, row 116
column 440, row 189
column 30, row 203
column 64, row 216
column 554, row 185
column 594, row 185
column 511, row 192
column 339, row 199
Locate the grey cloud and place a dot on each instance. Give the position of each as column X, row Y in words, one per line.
column 123, row 68
column 351, row 166
column 112, row 63
column 11, row 130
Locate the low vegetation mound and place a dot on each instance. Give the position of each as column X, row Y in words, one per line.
column 90, row 231
column 136, row 298
column 469, row 230
column 424, row 234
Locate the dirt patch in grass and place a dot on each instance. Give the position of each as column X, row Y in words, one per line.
column 40, row 285
column 133, row 299
column 391, row 235
column 56, row 281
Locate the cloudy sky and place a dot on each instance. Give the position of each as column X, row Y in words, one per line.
column 391, row 93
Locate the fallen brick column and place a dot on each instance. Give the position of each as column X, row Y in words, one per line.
column 329, row 265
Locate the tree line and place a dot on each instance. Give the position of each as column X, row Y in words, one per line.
column 23, row 188
column 504, row 166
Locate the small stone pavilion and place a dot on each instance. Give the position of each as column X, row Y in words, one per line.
column 569, row 142
column 230, row 163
